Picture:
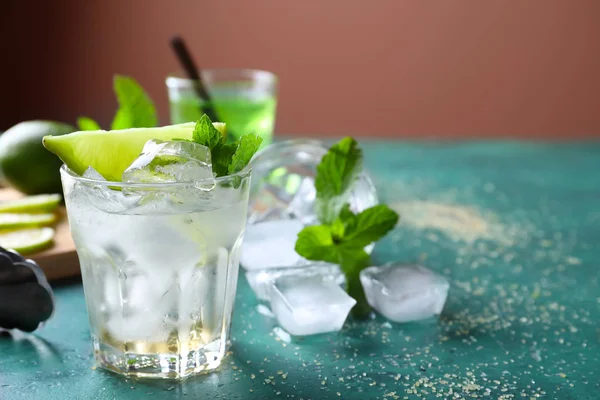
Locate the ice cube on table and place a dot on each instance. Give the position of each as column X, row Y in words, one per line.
column 310, row 305
column 176, row 161
column 404, row 293
column 302, row 205
column 261, row 280
column 271, row 244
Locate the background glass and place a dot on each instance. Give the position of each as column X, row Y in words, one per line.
column 245, row 99
column 159, row 264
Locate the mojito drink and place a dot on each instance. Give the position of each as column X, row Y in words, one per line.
column 244, row 99
column 242, row 115
column 158, row 248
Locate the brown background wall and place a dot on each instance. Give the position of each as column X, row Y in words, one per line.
column 379, row 67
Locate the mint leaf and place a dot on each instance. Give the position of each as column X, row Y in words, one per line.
column 136, row 109
column 87, row 124
column 316, row 243
column 336, row 173
column 348, row 234
column 227, row 158
column 368, row 226
column 122, row 120
column 247, row 146
column 221, row 157
column 206, row 134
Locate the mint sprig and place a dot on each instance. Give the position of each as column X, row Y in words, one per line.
column 136, row 109
column 206, row 134
column 227, row 158
column 336, row 173
column 343, row 235
column 247, row 146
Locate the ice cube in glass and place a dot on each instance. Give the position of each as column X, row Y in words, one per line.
column 175, row 161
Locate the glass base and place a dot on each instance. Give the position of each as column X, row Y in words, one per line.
column 126, row 359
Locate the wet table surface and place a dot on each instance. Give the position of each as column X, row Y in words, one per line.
column 515, row 226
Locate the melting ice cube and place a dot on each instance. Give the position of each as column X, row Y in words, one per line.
column 310, row 305
column 177, row 161
column 91, row 173
column 271, row 244
column 103, row 197
column 404, row 293
column 283, row 183
column 303, row 203
column 261, row 280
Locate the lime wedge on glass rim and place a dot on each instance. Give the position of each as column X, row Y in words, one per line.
column 41, row 203
column 17, row 221
column 111, row 152
column 27, row 240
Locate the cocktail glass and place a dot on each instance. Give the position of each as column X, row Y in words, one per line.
column 159, row 264
column 244, row 99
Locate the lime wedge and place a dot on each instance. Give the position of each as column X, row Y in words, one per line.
column 111, row 152
column 27, row 240
column 32, row 204
column 16, row 221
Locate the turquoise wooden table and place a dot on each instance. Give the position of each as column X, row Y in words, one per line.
column 515, row 226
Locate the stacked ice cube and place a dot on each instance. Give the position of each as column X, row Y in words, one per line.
column 307, row 297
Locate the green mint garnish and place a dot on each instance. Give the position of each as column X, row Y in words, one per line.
column 206, row 134
column 227, row 158
column 343, row 235
column 336, row 173
column 87, row 124
column 247, row 146
column 136, row 109
column 221, row 158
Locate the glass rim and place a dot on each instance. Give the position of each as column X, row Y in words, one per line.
column 244, row 173
column 178, row 80
column 278, row 146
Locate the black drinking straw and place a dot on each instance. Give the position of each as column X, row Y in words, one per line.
column 186, row 61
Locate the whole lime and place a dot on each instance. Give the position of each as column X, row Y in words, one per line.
column 24, row 162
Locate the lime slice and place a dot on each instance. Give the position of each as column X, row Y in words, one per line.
column 16, row 221
column 32, row 204
column 27, row 240
column 111, row 152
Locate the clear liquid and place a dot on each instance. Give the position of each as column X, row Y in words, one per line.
column 159, row 288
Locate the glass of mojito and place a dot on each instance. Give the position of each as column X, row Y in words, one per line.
column 245, row 99
column 158, row 243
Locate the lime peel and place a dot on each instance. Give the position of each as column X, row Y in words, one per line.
column 111, row 152
column 27, row 240
column 42, row 203
column 16, row 221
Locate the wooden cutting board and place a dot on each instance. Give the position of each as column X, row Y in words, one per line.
column 60, row 260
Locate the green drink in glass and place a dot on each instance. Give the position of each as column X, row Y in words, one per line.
column 244, row 99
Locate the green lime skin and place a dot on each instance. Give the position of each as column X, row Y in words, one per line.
column 24, row 162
